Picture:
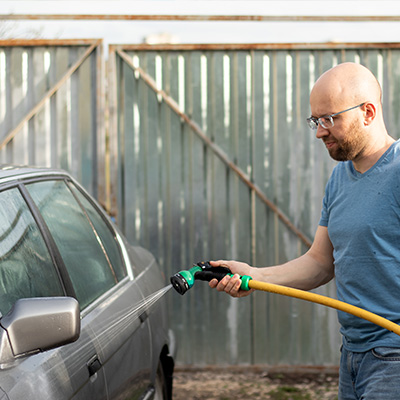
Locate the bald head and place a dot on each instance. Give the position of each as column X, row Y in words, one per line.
column 358, row 133
column 346, row 85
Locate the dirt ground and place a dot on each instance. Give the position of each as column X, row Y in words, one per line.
column 300, row 383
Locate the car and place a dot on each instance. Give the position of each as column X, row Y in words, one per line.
column 83, row 312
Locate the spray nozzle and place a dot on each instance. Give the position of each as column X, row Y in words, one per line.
column 182, row 281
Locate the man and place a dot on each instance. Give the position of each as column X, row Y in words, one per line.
column 358, row 237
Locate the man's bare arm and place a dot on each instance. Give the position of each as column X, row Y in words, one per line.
column 312, row 269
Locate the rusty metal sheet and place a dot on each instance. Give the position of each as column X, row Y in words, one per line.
column 216, row 18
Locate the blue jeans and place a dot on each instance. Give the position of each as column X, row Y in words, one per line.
column 373, row 375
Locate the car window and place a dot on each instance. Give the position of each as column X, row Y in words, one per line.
column 80, row 247
column 107, row 236
column 26, row 268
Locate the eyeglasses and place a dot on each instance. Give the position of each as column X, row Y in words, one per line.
column 327, row 120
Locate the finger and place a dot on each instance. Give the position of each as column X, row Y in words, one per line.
column 222, row 284
column 218, row 263
column 231, row 283
column 213, row 283
column 233, row 286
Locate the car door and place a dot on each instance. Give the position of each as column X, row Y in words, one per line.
column 109, row 298
column 27, row 269
column 123, row 329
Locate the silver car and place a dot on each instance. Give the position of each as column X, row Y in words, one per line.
column 83, row 313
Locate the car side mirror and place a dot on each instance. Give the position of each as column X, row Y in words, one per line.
column 38, row 324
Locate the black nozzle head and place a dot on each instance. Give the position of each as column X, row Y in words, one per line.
column 179, row 283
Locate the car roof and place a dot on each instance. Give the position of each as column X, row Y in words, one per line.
column 12, row 172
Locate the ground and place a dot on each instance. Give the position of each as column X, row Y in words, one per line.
column 239, row 383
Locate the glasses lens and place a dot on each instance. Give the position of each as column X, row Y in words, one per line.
column 326, row 122
column 312, row 123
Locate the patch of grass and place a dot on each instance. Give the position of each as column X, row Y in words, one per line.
column 289, row 393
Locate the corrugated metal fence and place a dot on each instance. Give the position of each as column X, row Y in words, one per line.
column 209, row 157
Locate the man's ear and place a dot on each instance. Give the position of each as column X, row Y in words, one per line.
column 369, row 110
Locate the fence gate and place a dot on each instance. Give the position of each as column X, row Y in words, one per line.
column 213, row 159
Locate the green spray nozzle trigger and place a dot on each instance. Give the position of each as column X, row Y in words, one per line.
column 182, row 281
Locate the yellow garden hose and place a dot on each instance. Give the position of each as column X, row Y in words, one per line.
column 325, row 301
column 182, row 281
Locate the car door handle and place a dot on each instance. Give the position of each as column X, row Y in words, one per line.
column 143, row 316
column 93, row 365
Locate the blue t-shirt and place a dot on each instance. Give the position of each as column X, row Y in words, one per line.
column 362, row 213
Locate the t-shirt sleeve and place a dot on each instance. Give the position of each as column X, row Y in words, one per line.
column 325, row 204
column 324, row 212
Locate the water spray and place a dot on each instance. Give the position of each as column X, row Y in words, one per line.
column 182, row 281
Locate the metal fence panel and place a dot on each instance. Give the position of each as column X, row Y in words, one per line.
column 50, row 112
column 210, row 158
column 179, row 193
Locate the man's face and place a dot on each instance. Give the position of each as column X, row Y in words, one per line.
column 346, row 140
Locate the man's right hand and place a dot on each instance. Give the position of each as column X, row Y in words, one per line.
column 231, row 284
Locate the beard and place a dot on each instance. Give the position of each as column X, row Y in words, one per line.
column 349, row 148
